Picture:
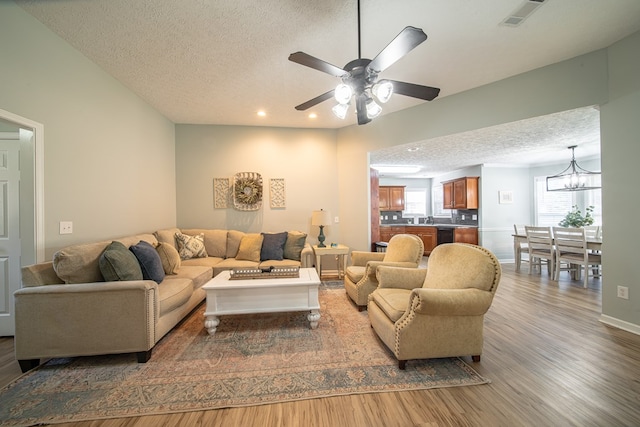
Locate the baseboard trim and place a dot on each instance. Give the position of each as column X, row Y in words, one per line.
column 620, row 324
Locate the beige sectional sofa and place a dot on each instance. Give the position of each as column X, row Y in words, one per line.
column 66, row 307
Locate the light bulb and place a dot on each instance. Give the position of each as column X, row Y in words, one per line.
column 373, row 109
column 382, row 90
column 340, row 110
column 343, row 93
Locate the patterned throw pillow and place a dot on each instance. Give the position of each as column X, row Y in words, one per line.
column 191, row 246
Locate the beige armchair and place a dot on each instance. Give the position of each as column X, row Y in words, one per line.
column 404, row 250
column 437, row 311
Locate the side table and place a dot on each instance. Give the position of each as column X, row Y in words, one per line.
column 340, row 251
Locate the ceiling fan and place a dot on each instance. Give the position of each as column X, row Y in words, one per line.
column 360, row 77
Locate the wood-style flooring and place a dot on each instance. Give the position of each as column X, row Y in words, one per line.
column 550, row 360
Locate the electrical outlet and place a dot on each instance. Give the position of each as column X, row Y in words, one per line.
column 623, row 292
column 336, row 220
column 66, row 227
column 474, row 217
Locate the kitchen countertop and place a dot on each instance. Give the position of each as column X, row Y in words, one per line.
column 431, row 225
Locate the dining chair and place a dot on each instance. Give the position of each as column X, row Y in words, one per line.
column 540, row 245
column 592, row 231
column 571, row 247
column 521, row 248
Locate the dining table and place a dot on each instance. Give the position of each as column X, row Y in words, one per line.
column 593, row 244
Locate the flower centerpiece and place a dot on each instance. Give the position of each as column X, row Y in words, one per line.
column 575, row 219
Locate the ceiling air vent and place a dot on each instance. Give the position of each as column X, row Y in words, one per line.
column 522, row 12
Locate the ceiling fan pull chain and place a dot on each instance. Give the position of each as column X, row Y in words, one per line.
column 359, row 47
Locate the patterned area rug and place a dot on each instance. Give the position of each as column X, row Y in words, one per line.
column 251, row 360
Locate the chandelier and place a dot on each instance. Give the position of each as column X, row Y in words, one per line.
column 574, row 178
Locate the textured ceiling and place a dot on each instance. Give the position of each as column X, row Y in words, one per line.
column 221, row 61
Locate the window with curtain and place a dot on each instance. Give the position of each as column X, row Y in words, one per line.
column 552, row 206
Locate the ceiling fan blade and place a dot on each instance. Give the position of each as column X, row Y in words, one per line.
column 317, row 100
column 318, row 64
column 361, row 109
column 416, row 91
column 404, row 42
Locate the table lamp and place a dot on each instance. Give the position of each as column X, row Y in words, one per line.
column 321, row 218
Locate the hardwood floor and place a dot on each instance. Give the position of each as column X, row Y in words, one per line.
column 550, row 360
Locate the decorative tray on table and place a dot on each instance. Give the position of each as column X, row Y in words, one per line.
column 264, row 273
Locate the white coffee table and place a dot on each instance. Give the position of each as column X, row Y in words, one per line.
column 248, row 296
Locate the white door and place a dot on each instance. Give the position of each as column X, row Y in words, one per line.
column 10, row 250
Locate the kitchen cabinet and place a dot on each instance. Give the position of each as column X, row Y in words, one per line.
column 428, row 235
column 386, row 233
column 391, row 198
column 461, row 193
column 466, row 235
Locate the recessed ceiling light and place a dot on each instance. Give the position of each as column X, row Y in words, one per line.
column 313, row 116
column 412, row 149
column 261, row 113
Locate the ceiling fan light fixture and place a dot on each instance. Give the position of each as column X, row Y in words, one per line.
column 382, row 90
column 343, row 93
column 340, row 111
column 373, row 109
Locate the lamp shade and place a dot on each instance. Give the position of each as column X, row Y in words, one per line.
column 320, row 217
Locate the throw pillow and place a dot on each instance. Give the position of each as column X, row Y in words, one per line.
column 118, row 263
column 149, row 260
column 250, row 246
column 294, row 245
column 169, row 257
column 191, row 246
column 273, row 246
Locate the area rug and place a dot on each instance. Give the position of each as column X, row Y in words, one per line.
column 251, row 360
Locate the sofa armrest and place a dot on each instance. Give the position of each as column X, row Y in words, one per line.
column 451, row 302
column 85, row 319
column 401, row 278
column 361, row 258
column 306, row 256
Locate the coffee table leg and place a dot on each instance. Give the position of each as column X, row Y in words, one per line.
column 211, row 324
column 313, row 317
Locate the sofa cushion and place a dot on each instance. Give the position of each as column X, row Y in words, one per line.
column 234, row 237
column 282, row 263
column 80, row 263
column 294, row 245
column 198, row 274
column 393, row 301
column 191, row 246
column 231, row 263
column 119, row 263
column 250, row 246
column 173, row 293
column 149, row 260
column 167, row 235
column 169, row 257
column 209, row 261
column 273, row 246
column 215, row 241
column 355, row 273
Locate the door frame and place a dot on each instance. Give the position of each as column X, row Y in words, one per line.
column 38, row 245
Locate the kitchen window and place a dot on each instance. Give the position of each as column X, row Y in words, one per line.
column 437, row 201
column 415, row 201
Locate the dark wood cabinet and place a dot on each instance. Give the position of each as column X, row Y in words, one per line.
column 428, row 235
column 387, row 232
column 461, row 193
column 466, row 235
column 391, row 198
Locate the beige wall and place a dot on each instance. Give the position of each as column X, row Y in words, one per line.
column 109, row 157
column 305, row 158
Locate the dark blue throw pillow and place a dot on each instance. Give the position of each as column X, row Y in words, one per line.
column 149, row 260
column 273, row 246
